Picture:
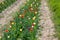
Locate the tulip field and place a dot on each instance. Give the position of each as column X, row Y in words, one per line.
column 25, row 24
column 30, row 20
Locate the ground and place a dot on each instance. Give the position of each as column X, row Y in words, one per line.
column 46, row 22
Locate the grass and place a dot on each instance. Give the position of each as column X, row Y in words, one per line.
column 55, row 8
column 25, row 24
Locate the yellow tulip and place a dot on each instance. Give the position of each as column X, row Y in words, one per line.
column 20, row 29
column 34, row 18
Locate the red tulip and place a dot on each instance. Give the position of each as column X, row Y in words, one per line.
column 30, row 29
column 33, row 24
column 6, row 31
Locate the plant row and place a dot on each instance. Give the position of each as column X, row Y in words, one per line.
column 5, row 4
column 25, row 23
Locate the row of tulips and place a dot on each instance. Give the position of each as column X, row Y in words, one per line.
column 5, row 4
column 25, row 24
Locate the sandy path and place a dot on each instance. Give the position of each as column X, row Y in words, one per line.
column 46, row 22
column 1, row 1
column 7, row 13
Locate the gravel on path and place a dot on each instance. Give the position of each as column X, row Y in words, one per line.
column 46, row 22
column 1, row 1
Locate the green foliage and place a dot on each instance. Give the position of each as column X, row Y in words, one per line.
column 25, row 24
column 55, row 7
column 5, row 4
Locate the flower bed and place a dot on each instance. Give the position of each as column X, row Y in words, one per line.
column 25, row 24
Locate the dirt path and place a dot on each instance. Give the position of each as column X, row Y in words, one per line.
column 1, row 1
column 7, row 13
column 46, row 22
